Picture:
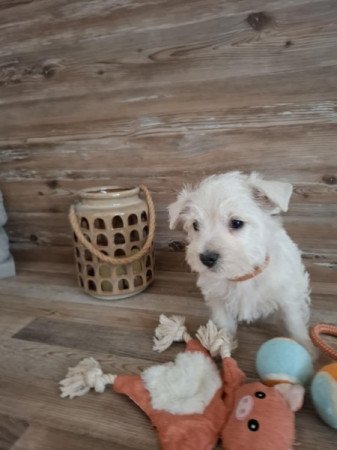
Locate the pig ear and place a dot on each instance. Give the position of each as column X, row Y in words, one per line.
column 293, row 394
column 275, row 195
column 177, row 209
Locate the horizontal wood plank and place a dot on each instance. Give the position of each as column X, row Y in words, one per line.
column 39, row 437
column 11, row 429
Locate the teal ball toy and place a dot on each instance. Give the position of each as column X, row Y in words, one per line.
column 324, row 394
column 283, row 360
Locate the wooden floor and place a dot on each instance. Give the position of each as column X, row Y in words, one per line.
column 47, row 325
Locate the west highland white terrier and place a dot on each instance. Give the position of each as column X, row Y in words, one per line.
column 248, row 267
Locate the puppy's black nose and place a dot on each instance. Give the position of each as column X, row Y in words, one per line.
column 209, row 259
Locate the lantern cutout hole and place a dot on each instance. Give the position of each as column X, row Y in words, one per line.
column 79, row 267
column 148, row 261
column 87, row 237
column 134, row 236
column 123, row 284
column 87, row 255
column 117, row 222
column 77, row 252
column 81, row 282
column 102, row 240
column 91, row 285
column 137, row 267
column 75, row 237
column 84, row 223
column 144, row 216
column 133, row 219
column 138, row 281
column 149, row 275
column 90, row 271
column 121, row 270
column 99, row 224
column 119, row 252
column 106, row 286
column 145, row 231
column 119, row 239
column 105, row 271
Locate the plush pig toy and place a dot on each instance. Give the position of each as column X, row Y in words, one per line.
column 258, row 417
column 190, row 404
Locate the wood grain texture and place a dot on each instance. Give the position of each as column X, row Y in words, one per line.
column 164, row 93
column 48, row 325
column 10, row 430
column 39, row 437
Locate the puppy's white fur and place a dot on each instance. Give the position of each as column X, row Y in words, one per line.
column 185, row 386
column 282, row 287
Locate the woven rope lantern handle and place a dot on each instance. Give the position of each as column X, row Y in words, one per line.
column 125, row 259
column 329, row 330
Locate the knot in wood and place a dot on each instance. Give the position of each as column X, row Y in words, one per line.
column 258, row 20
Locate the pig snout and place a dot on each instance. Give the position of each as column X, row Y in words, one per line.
column 244, row 407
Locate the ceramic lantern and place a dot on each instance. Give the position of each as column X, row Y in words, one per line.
column 113, row 241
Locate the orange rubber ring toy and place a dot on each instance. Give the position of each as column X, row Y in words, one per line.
column 329, row 330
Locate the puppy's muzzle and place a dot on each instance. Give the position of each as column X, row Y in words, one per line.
column 209, row 259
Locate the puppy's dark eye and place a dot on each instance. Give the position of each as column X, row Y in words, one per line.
column 260, row 394
column 236, row 224
column 196, row 225
column 253, row 425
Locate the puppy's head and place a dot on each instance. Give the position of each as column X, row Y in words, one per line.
column 228, row 221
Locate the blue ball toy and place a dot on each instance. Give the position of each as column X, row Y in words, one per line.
column 324, row 394
column 283, row 360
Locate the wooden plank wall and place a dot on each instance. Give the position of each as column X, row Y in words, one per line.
column 164, row 92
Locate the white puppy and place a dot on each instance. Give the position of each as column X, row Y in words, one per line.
column 248, row 267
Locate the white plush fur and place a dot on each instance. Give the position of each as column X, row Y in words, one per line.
column 185, row 386
column 282, row 288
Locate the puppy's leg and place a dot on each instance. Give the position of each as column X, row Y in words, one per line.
column 222, row 318
column 295, row 317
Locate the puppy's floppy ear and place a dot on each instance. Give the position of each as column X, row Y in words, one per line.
column 177, row 208
column 274, row 194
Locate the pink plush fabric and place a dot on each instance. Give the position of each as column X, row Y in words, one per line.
column 178, row 432
column 258, row 416
column 247, row 416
